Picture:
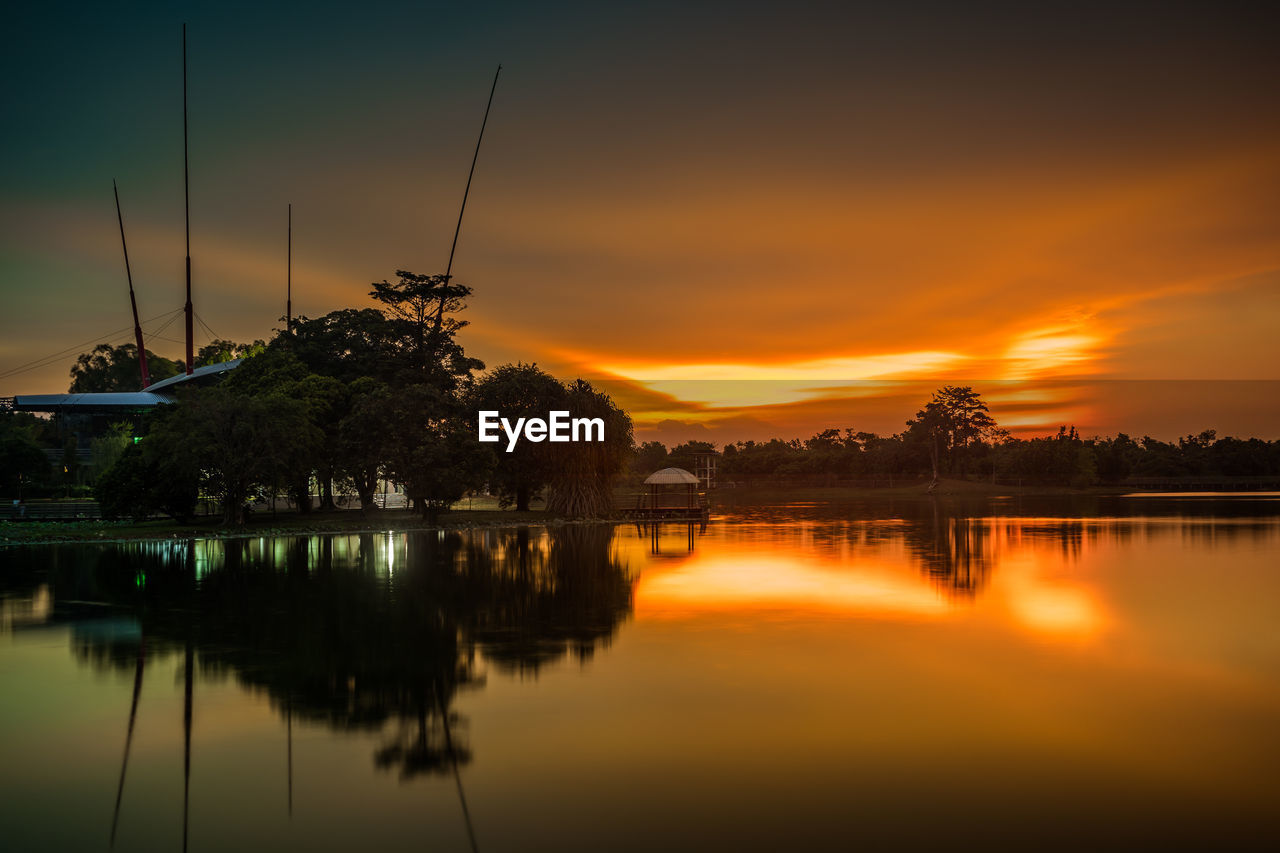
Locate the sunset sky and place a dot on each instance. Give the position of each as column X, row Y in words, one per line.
column 753, row 219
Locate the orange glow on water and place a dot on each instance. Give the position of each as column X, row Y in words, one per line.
column 881, row 580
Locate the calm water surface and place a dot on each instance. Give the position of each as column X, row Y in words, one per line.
column 797, row 675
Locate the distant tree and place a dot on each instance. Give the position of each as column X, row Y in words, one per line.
column 967, row 417
column 219, row 351
column 1114, row 458
column 109, row 368
column 827, row 439
column 686, row 455
column 955, row 420
column 649, row 457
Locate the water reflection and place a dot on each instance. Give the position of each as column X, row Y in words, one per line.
column 899, row 646
column 366, row 632
column 671, row 540
column 849, row 558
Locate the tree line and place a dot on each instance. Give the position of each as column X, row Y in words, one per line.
column 362, row 396
column 954, row 435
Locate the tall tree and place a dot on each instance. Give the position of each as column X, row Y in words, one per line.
column 362, row 448
column 955, row 418
column 347, row 344
column 432, row 451
column 411, row 305
column 582, row 479
column 519, row 391
column 241, row 443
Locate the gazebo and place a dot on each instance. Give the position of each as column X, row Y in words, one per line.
column 673, row 489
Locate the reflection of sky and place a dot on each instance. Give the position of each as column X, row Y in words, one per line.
column 796, row 575
column 1035, row 576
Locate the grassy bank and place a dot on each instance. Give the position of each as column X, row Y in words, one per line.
column 282, row 524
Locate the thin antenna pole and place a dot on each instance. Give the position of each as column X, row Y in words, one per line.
column 448, row 270
column 288, row 302
column 133, row 303
column 186, row 205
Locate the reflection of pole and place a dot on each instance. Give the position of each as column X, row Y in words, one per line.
column 128, row 738
column 186, row 739
column 288, row 723
column 457, row 777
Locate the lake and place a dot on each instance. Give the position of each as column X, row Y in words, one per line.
column 1057, row 673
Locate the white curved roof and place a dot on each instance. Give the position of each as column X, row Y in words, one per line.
column 88, row 402
column 670, row 476
column 208, row 370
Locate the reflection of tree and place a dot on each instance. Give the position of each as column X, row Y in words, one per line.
column 1067, row 534
column 953, row 549
column 425, row 745
column 339, row 640
column 562, row 596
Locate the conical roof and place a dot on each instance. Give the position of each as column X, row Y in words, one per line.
column 670, row 477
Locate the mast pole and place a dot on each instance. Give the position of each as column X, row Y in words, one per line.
column 133, row 302
column 448, row 270
column 186, row 206
column 288, row 301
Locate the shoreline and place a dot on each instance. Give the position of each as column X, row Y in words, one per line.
column 285, row 524
column 352, row 521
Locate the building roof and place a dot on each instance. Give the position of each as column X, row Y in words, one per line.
column 670, row 477
column 208, row 371
column 120, row 401
column 113, row 401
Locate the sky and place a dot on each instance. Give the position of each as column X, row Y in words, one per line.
column 745, row 219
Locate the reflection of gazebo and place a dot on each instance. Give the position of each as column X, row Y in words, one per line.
column 672, row 489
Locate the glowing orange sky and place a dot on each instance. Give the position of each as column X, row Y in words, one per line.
column 732, row 234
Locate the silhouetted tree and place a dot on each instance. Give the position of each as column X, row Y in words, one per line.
column 582, row 477
column 109, row 368
column 519, row 391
